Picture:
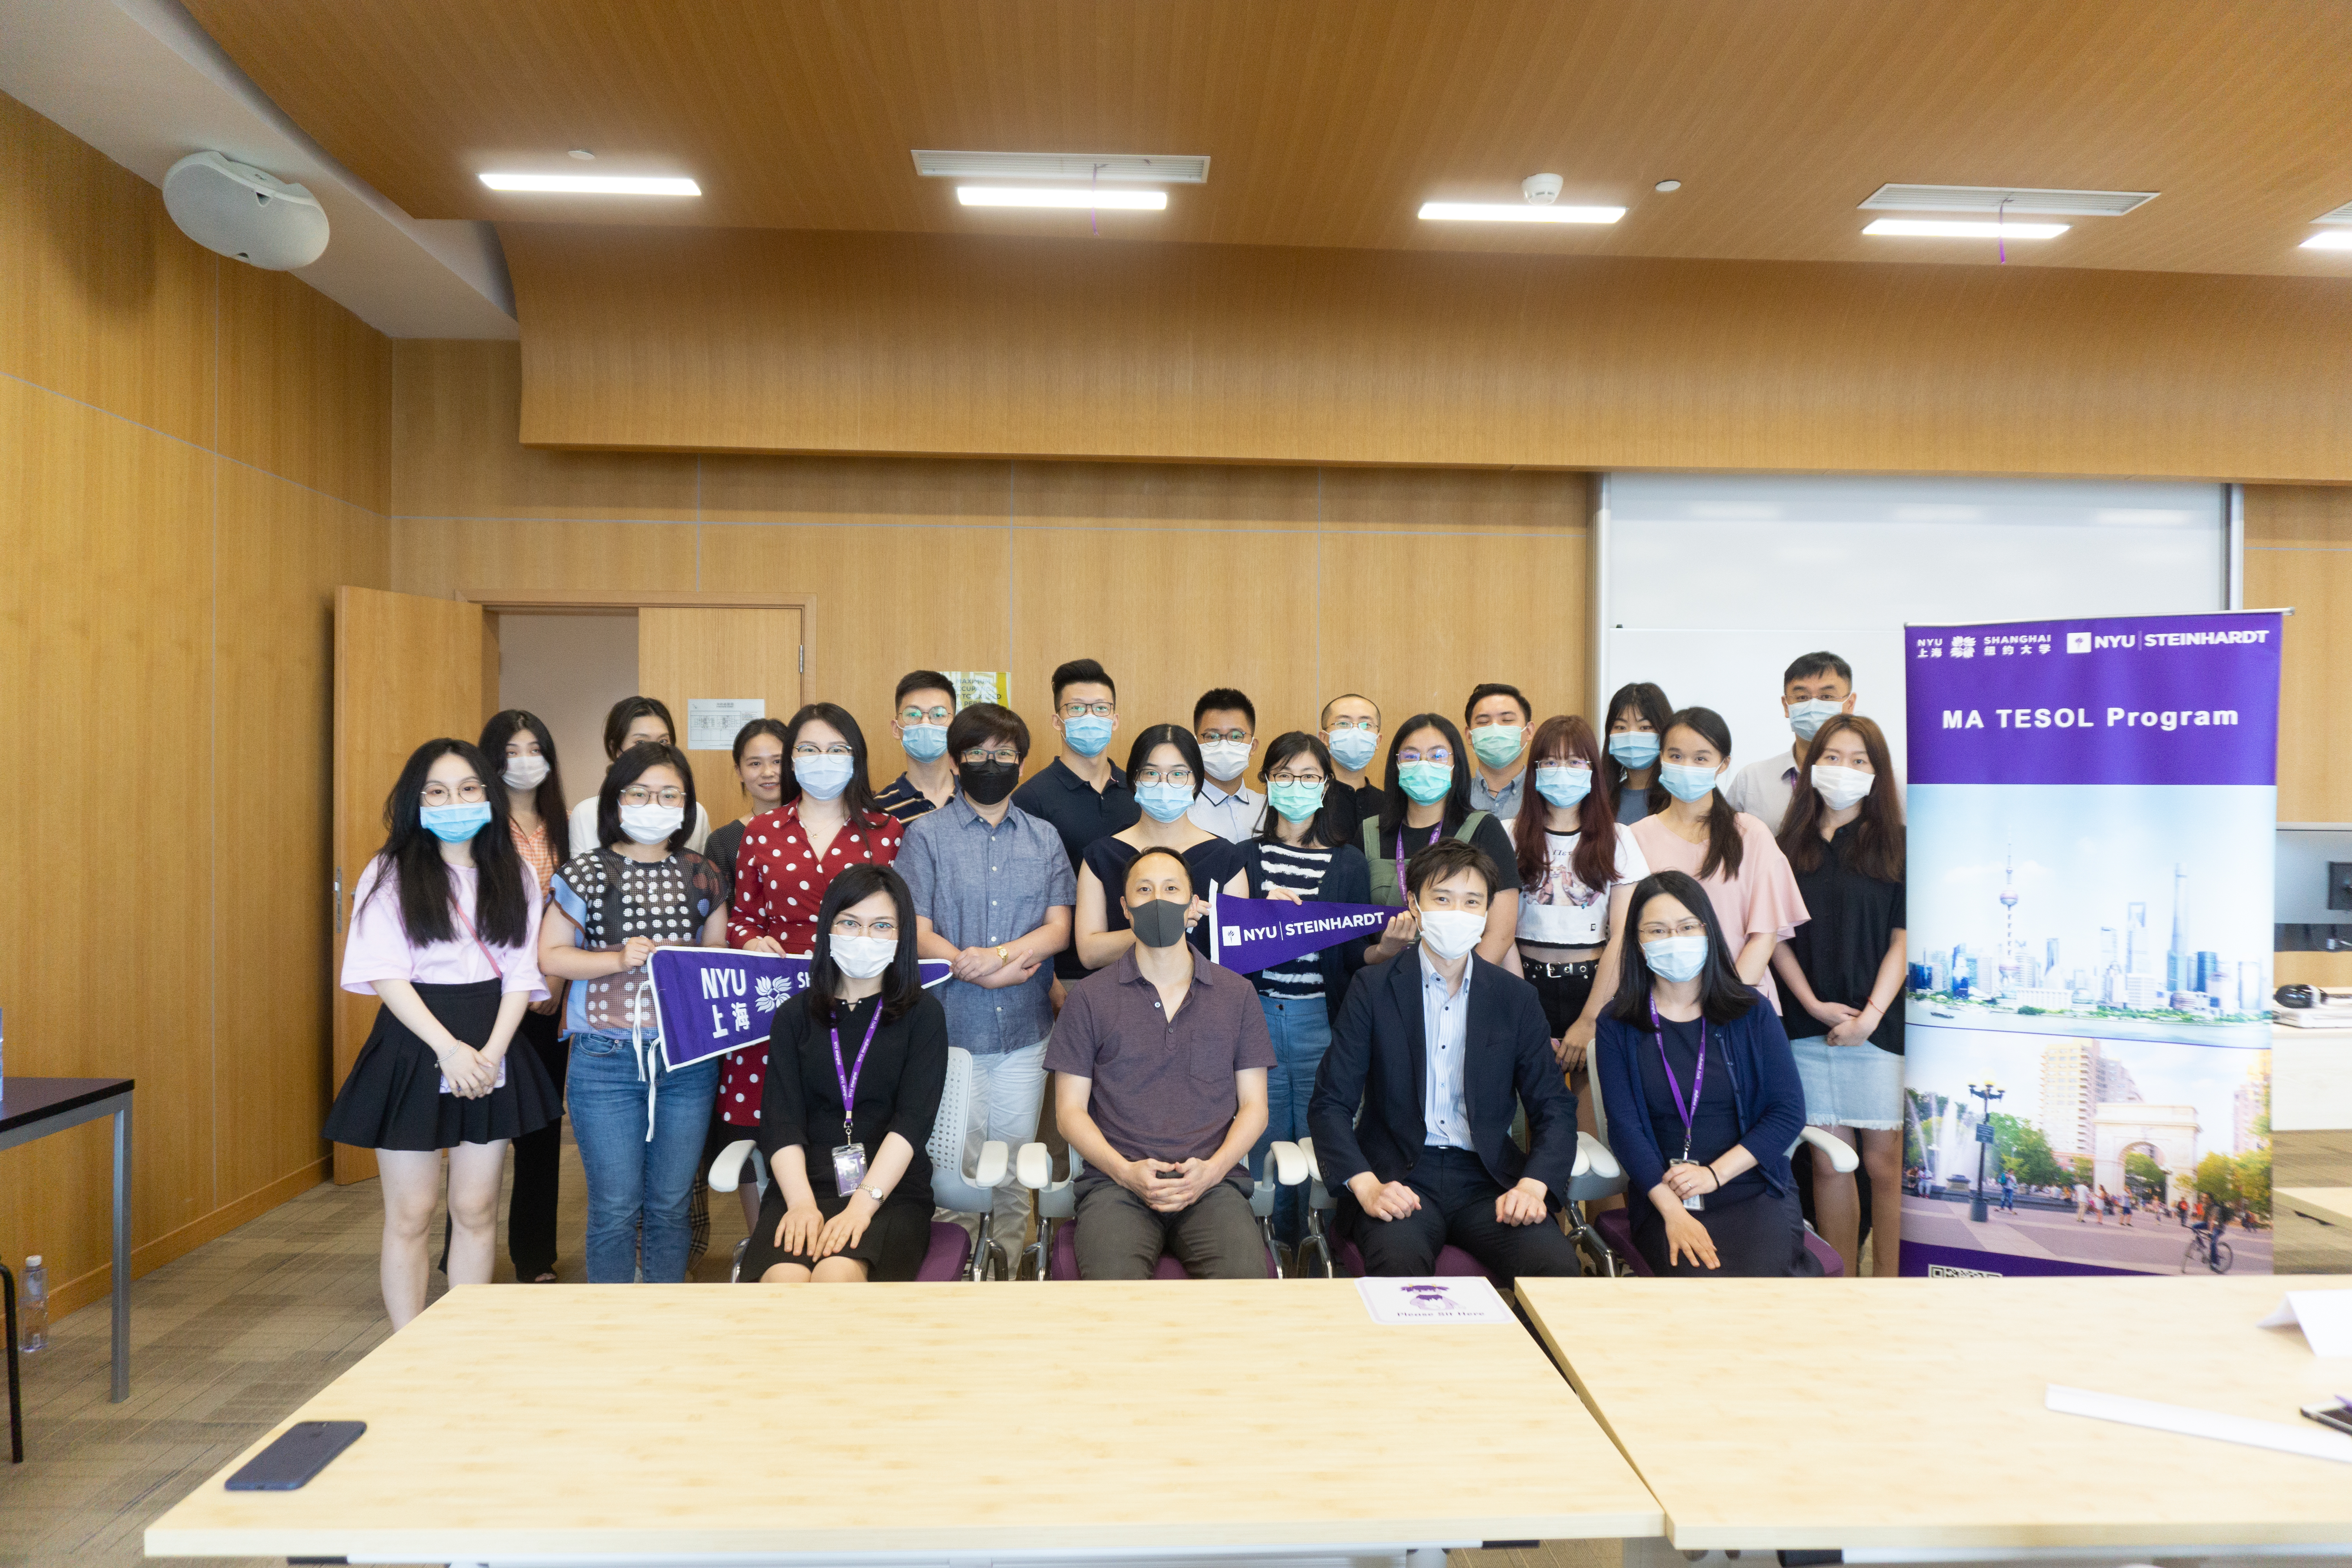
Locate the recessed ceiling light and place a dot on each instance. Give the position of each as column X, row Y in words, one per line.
column 1133, row 168
column 595, row 185
column 1667, row 185
column 2329, row 239
column 1515, row 212
column 584, row 156
column 1082, row 197
column 2006, row 198
column 1963, row 228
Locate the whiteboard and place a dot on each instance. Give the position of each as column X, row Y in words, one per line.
column 1711, row 584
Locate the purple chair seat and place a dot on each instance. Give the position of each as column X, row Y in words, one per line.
column 1616, row 1228
column 1451, row 1261
column 1064, row 1264
column 950, row 1253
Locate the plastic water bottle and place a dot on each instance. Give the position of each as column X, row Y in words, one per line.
column 33, row 1310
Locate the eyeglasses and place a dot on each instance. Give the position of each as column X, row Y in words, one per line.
column 469, row 791
column 910, row 714
column 1295, row 778
column 1660, row 934
column 1339, row 724
column 883, row 926
column 997, row 754
column 1435, row 755
column 837, row 749
column 1080, row 710
column 1151, row 773
column 1209, row 737
column 638, row 795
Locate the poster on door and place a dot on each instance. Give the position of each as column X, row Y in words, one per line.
column 2093, row 807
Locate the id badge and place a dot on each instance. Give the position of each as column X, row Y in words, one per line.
column 848, row 1169
column 1690, row 1202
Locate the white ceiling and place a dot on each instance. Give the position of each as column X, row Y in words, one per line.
column 139, row 81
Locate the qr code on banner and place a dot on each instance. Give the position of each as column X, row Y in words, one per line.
column 1946, row 1271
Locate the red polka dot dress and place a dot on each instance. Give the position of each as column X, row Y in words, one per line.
column 779, row 882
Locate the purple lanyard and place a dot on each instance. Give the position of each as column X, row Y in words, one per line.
column 848, row 1079
column 1438, row 827
column 1673, row 1084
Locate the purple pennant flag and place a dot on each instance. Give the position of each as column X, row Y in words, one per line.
column 711, row 1000
column 1251, row 935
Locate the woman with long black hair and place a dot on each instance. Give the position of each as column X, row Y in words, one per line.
column 1637, row 719
column 444, row 932
column 1427, row 799
column 1703, row 1096
column 855, row 1073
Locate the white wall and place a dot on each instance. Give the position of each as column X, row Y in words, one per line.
column 570, row 670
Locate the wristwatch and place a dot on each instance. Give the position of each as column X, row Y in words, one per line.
column 877, row 1193
column 1001, row 956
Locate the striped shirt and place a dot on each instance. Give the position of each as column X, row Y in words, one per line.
column 903, row 801
column 1301, row 871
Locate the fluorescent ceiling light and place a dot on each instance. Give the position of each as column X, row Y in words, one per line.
column 1965, row 228
column 2007, row 198
column 1080, row 197
column 595, row 185
column 1149, row 169
column 1516, row 212
column 2331, row 239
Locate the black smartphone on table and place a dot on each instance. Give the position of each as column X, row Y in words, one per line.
column 299, row 1452
column 2335, row 1418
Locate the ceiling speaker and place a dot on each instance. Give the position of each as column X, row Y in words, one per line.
column 240, row 211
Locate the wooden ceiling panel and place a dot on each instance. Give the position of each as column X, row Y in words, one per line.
column 1329, row 121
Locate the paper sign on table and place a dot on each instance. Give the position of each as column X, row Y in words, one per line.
column 2324, row 1317
column 1455, row 1299
column 2288, row 1438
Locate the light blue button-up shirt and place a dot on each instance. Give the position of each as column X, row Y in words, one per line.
column 981, row 887
column 1446, row 1029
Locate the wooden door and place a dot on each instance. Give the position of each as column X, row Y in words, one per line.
column 684, row 654
column 407, row 669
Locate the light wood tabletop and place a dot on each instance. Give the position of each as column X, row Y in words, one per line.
column 1810, row 1414
column 2333, row 1204
column 681, row 1420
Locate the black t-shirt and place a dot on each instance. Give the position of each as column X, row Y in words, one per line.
column 722, row 847
column 1842, row 946
column 1213, row 861
column 1351, row 807
column 1715, row 1128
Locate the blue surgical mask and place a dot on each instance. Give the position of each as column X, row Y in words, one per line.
column 456, row 824
column 1352, row 749
column 1806, row 718
column 1563, row 786
column 1087, row 733
column 925, row 744
column 1163, row 802
column 1425, row 783
column 1633, row 748
column 1687, row 780
column 1677, row 957
column 824, row 777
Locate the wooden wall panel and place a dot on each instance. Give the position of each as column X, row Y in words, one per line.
column 773, row 341
column 2299, row 555
column 305, row 387
column 442, row 556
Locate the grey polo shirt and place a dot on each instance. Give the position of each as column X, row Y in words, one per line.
column 980, row 887
column 1163, row 1088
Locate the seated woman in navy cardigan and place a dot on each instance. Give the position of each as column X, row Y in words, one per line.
column 1703, row 1096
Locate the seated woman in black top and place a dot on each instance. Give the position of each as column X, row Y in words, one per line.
column 1702, row 1095
column 852, row 1200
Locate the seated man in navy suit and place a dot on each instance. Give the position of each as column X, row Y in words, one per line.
column 1438, row 1047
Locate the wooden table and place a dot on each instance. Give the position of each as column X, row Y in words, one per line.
column 34, row 1108
column 2331, row 1205
column 1907, row 1414
column 673, row 1423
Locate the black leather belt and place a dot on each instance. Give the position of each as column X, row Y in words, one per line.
column 1584, row 971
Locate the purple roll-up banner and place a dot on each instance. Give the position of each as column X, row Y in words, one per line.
column 2091, row 822
column 1250, row 934
column 708, row 1001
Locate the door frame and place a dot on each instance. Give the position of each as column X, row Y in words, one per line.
column 558, row 601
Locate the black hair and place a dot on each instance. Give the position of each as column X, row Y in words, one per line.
column 1081, row 672
column 1227, row 700
column 412, row 856
column 1646, row 699
column 1722, row 847
column 1820, row 663
column 1323, row 716
column 1878, row 827
column 763, row 727
column 1485, row 688
column 1722, row 994
column 627, row 769
column 1448, row 857
column 1175, row 855
column 902, row 982
column 1395, row 801
column 979, row 724
column 1323, row 827
column 921, row 681
column 548, row 798
column 627, row 709
column 858, row 795
column 1155, row 736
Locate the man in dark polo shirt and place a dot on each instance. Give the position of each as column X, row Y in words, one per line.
column 1080, row 792
column 1160, row 1065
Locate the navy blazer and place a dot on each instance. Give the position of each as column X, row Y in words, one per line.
column 1347, row 879
column 1765, row 1093
column 1379, row 1059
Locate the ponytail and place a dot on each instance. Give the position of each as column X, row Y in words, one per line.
column 1722, row 847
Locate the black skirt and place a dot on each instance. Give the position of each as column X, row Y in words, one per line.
column 394, row 1100
column 1762, row 1237
column 892, row 1249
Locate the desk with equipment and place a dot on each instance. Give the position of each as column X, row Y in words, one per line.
column 1909, row 1415
column 676, row 1424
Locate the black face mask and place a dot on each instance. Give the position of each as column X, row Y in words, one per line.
column 985, row 784
column 1157, row 924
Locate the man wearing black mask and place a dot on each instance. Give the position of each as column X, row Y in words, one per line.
column 1160, row 1065
column 992, row 892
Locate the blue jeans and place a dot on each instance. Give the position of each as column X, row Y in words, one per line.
column 635, row 1181
column 1302, row 1033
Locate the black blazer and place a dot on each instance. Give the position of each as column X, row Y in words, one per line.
column 1379, row 1059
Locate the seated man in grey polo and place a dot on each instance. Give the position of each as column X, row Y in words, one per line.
column 1160, row 1065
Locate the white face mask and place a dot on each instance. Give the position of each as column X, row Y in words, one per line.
column 525, row 773
column 1841, row 787
column 651, row 824
column 1224, row 759
column 1451, row 932
column 863, row 957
